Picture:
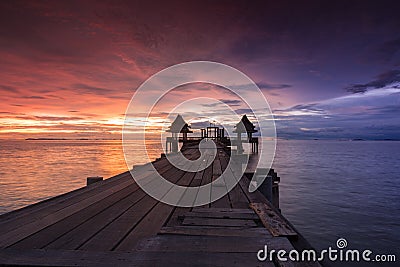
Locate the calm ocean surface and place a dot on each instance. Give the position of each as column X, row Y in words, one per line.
column 328, row 190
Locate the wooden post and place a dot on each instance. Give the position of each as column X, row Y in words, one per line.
column 266, row 188
column 94, row 179
column 174, row 148
column 239, row 143
column 275, row 195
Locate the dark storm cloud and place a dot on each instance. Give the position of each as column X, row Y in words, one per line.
column 382, row 80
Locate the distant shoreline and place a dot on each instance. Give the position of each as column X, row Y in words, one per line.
column 67, row 139
column 279, row 139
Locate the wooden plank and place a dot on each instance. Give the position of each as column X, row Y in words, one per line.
column 150, row 225
column 39, row 211
column 113, row 258
column 232, row 244
column 215, row 231
column 113, row 234
column 227, row 210
column 206, row 179
column 11, row 237
column 222, row 215
column 155, row 219
column 175, row 218
column 272, row 221
column 38, row 206
column 41, row 238
column 237, row 197
column 217, row 171
column 218, row 222
column 73, row 195
column 82, row 233
column 219, row 188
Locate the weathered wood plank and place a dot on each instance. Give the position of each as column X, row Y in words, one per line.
column 272, row 221
column 227, row 210
column 222, row 215
column 215, row 231
column 155, row 219
column 175, row 218
column 198, row 221
column 113, row 234
column 41, row 238
column 80, row 234
column 217, row 170
column 147, row 227
column 206, row 179
column 237, row 197
column 238, row 244
column 187, row 197
column 11, row 237
column 219, row 188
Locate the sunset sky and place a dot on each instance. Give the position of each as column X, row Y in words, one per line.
column 329, row 70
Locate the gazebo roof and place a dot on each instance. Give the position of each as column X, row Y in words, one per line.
column 179, row 126
column 244, row 126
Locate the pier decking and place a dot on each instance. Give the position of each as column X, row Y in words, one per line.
column 114, row 222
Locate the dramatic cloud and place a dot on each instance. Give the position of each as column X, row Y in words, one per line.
column 382, row 80
column 348, row 117
column 88, row 58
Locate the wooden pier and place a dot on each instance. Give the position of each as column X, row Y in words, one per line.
column 115, row 222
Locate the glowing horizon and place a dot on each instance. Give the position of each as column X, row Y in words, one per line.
column 69, row 69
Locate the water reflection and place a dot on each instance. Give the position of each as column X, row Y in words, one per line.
column 31, row 171
column 329, row 189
